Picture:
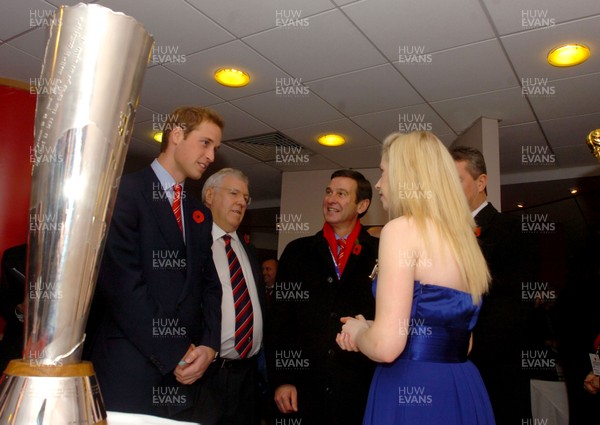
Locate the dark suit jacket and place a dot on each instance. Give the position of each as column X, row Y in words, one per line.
column 504, row 327
column 159, row 295
column 309, row 301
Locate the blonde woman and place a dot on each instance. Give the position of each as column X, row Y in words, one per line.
column 429, row 287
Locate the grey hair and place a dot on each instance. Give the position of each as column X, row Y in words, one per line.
column 216, row 179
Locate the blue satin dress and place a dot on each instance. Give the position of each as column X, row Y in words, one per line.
column 432, row 382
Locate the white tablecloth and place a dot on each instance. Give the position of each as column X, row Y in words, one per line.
column 118, row 418
column 549, row 402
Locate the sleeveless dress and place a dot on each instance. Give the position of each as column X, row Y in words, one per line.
column 432, row 382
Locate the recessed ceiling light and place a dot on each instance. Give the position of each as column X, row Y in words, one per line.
column 520, row 204
column 331, row 140
column 573, row 190
column 568, row 55
column 158, row 137
column 231, row 77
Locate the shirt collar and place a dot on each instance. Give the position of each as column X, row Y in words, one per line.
column 166, row 180
column 218, row 233
column 479, row 208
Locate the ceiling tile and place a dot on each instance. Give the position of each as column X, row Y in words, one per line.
column 201, row 67
column 575, row 156
column 528, row 51
column 17, row 65
column 369, row 90
column 175, row 25
column 431, row 25
column 514, row 138
column 239, row 124
column 164, row 91
column 24, row 15
column 355, row 136
column 418, row 117
column 463, row 71
column 280, row 111
column 33, row 42
column 252, row 16
column 511, row 16
column 508, row 106
column 568, row 97
column 328, row 45
column 571, row 131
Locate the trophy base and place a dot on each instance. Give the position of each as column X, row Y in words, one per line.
column 50, row 395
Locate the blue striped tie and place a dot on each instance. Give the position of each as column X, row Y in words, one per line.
column 244, row 316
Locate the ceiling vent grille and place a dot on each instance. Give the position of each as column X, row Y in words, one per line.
column 266, row 147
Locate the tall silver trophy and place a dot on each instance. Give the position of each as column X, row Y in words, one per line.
column 88, row 93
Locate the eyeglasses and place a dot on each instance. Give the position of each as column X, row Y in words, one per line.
column 236, row 193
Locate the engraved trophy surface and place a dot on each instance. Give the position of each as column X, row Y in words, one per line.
column 88, row 93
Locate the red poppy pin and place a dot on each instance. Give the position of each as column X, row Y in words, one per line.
column 356, row 249
column 198, row 216
column 477, row 231
column 247, row 237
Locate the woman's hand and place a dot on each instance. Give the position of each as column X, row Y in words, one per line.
column 351, row 329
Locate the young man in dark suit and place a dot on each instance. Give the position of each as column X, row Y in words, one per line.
column 158, row 287
column 320, row 279
column 502, row 332
column 233, row 376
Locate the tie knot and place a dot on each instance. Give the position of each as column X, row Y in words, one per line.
column 177, row 188
column 341, row 243
column 227, row 239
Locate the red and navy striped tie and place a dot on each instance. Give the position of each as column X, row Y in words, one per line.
column 244, row 316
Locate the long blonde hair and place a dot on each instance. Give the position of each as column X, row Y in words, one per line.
column 424, row 185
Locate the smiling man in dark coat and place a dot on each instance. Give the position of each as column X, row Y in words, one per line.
column 319, row 280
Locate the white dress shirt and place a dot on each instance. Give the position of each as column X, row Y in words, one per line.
column 227, row 350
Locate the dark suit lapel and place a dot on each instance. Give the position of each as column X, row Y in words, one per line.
column 323, row 251
column 159, row 205
column 485, row 217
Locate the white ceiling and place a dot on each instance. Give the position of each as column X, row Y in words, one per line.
column 347, row 53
